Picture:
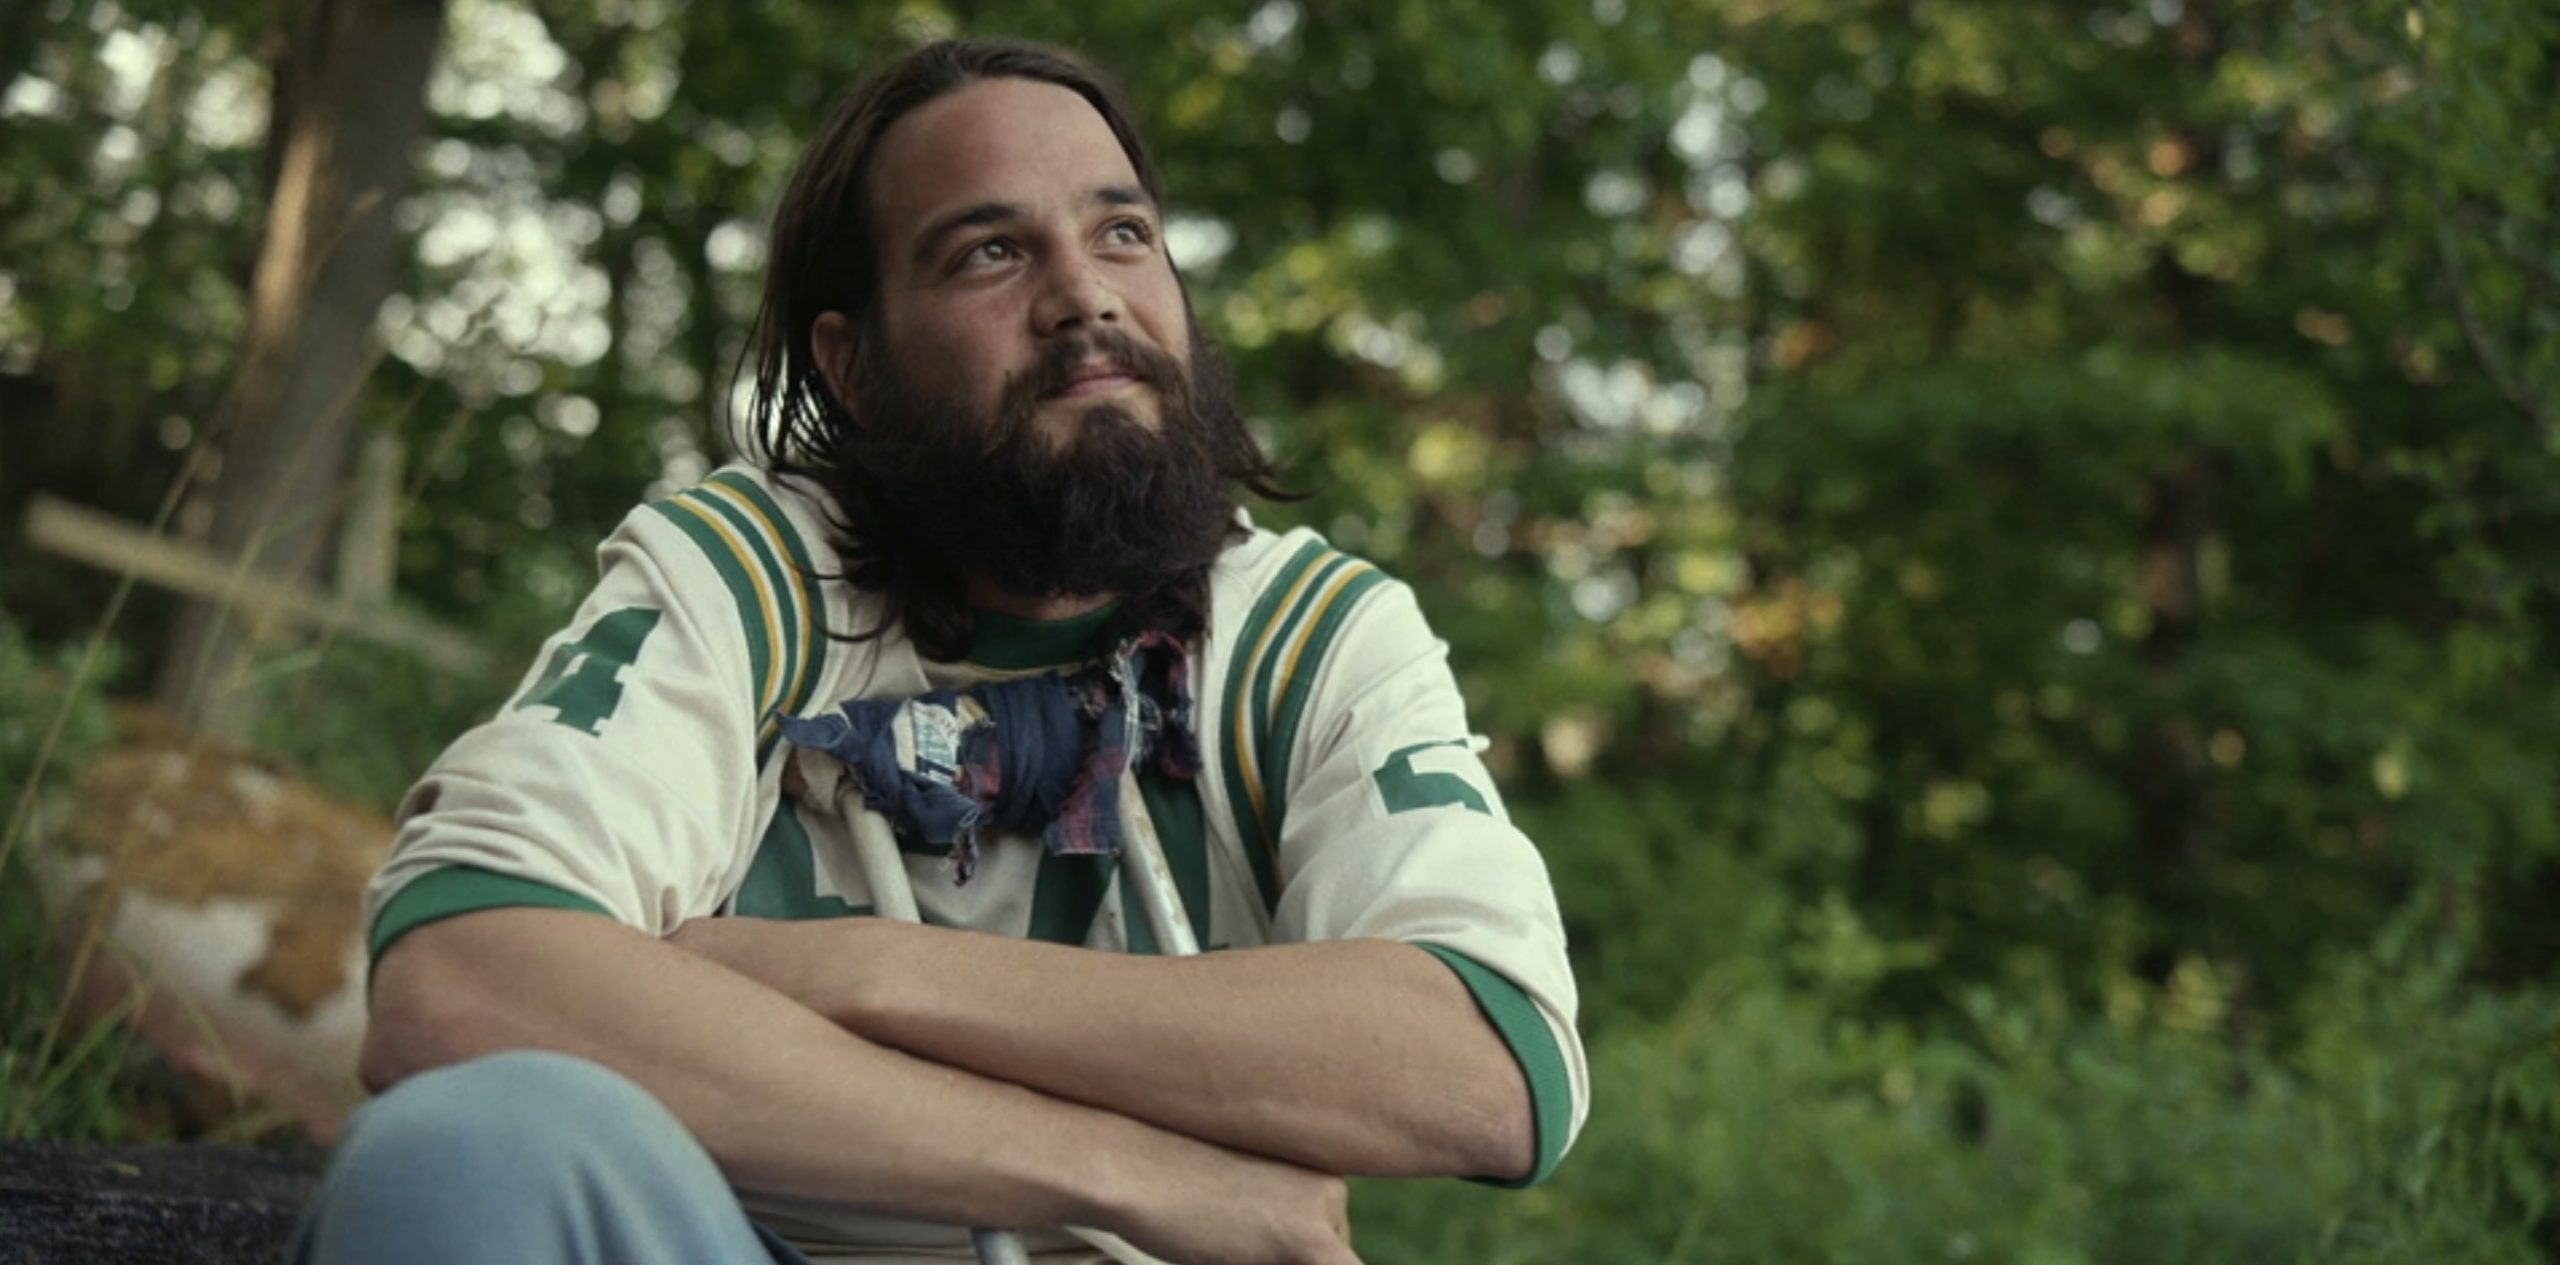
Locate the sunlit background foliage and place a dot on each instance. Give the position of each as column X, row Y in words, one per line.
column 2009, row 551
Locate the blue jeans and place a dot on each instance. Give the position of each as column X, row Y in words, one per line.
column 526, row 1157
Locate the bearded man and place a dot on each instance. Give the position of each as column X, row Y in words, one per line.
column 624, row 1006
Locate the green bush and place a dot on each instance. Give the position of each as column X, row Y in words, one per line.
column 2417, row 1121
column 2448, row 1095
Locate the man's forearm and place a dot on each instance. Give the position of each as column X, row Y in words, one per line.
column 1357, row 1056
column 784, row 1100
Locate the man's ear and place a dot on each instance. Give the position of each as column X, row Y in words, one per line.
column 835, row 343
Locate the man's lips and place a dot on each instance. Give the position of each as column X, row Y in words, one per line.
column 1097, row 379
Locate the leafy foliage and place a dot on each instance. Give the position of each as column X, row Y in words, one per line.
column 1762, row 1123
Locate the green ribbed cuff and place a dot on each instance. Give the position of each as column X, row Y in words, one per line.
column 1533, row 1045
column 463, row 889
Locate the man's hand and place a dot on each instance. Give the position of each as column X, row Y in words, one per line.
column 1246, row 1211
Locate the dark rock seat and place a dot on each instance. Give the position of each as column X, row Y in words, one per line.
column 73, row 1204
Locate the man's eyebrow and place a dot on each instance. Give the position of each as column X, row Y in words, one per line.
column 984, row 213
column 1120, row 195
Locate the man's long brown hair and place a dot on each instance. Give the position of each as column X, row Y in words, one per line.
column 826, row 258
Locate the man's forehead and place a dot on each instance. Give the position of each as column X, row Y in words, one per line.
column 1016, row 141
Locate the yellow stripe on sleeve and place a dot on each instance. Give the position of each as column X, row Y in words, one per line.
column 770, row 686
column 797, row 585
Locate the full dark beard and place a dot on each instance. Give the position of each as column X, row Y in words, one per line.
column 1108, row 507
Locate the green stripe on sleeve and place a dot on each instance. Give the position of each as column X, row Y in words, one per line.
column 1302, row 667
column 1266, row 676
column 777, row 584
column 1322, row 571
column 464, row 889
column 1237, row 746
column 1534, row 1045
column 772, row 511
column 809, row 598
column 689, row 519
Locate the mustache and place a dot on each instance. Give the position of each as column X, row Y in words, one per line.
column 1060, row 361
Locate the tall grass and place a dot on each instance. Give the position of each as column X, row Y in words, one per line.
column 62, row 1075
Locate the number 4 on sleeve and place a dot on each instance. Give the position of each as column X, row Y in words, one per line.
column 583, row 682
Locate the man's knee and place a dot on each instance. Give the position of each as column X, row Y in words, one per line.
column 519, row 1134
column 521, row 1107
column 559, row 1158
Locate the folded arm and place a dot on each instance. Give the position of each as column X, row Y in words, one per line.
column 1363, row 1057
column 783, row 1099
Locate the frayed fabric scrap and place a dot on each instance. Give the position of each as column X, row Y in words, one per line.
column 1042, row 756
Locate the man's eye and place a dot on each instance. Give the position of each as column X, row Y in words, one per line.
column 1130, row 233
column 994, row 250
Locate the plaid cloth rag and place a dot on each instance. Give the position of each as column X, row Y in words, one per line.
column 1042, row 756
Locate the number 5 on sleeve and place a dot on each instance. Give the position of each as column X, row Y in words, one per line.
column 1406, row 787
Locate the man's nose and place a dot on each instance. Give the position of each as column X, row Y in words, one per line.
column 1075, row 294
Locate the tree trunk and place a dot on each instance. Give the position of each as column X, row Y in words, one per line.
column 355, row 73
